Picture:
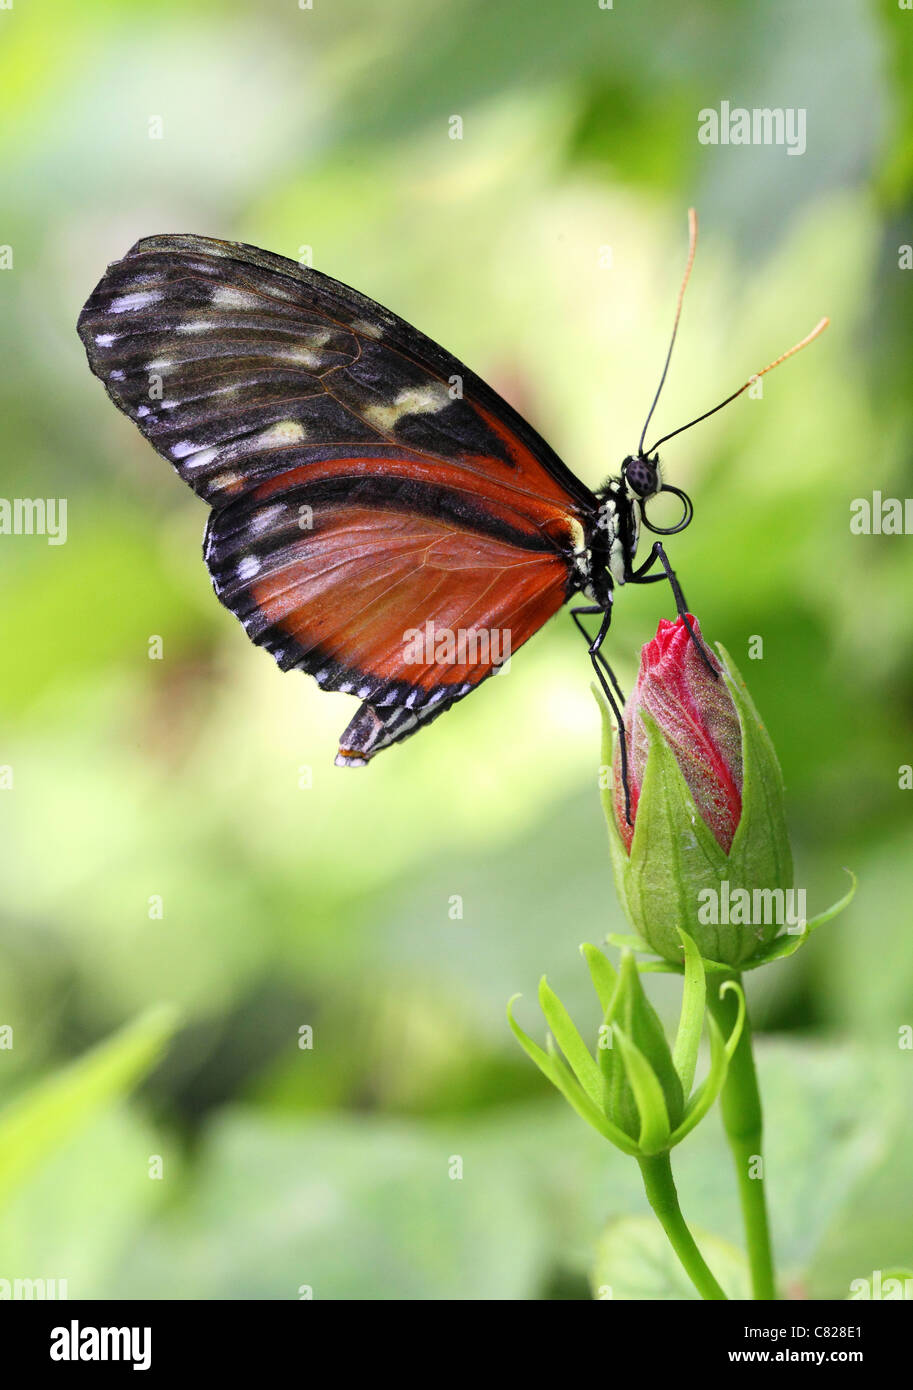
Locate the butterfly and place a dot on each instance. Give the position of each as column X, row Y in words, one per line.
column 381, row 518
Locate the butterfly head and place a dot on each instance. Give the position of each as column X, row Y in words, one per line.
column 642, row 477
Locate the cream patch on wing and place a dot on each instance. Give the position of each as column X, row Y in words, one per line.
column 228, row 297
column 577, row 532
column 283, row 432
column 366, row 328
column 414, row 400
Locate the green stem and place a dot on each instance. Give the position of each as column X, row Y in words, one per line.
column 663, row 1198
column 740, row 1103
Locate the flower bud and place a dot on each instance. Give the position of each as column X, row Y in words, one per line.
column 698, row 719
column 707, row 815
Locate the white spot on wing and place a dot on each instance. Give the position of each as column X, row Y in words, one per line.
column 194, row 456
column 263, row 519
column 137, row 300
column 248, row 567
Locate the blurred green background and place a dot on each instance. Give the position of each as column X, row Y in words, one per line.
column 327, row 906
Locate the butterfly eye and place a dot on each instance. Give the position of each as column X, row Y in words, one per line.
column 685, row 520
column 642, row 475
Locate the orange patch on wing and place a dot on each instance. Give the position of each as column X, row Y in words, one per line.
column 491, row 485
column 364, row 581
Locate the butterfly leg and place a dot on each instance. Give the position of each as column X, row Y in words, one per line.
column 600, row 665
column 594, row 646
column 640, row 576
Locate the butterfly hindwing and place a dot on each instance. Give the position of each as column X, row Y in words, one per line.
column 376, row 727
column 364, row 483
column 380, row 586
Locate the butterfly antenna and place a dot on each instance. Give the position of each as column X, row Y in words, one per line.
column 692, row 247
column 790, row 352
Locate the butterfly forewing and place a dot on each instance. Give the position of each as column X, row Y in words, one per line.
column 364, row 482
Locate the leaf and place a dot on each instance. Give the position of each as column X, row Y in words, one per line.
column 350, row 1207
column 37, row 1123
column 103, row 1170
column 634, row 1260
column 362, row 1206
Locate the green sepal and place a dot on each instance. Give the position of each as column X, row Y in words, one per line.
column 565, row 1033
column 563, row 1080
column 674, row 854
column 628, row 942
column 602, row 973
column 654, row 1131
column 760, row 853
column 786, row 944
column 605, row 982
column 721, row 1051
column 617, row 851
column 671, row 967
column 631, row 1011
column 691, row 1018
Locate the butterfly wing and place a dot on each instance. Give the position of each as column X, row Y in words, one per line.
column 397, row 590
column 364, row 482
